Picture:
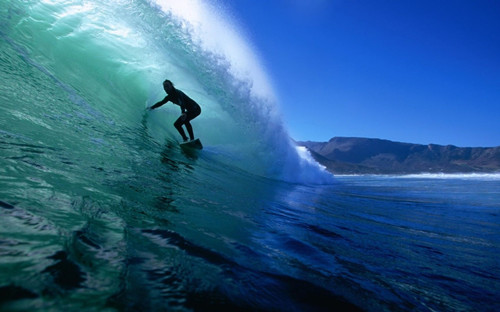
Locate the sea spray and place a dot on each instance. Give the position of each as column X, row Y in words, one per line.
column 244, row 95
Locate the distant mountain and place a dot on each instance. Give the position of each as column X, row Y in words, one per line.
column 344, row 155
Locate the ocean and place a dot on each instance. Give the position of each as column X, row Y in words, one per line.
column 100, row 210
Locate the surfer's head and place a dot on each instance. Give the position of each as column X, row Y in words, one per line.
column 168, row 86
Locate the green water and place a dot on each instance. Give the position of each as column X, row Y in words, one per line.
column 84, row 166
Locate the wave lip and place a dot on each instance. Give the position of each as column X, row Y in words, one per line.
column 214, row 30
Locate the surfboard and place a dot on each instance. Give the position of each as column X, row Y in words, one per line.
column 194, row 144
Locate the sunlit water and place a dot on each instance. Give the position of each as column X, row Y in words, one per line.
column 101, row 210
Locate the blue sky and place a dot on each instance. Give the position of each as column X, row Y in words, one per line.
column 411, row 71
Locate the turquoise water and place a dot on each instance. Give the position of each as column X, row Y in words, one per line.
column 101, row 210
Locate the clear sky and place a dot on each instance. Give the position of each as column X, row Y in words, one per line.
column 411, row 71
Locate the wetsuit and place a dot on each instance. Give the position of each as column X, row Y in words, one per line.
column 188, row 107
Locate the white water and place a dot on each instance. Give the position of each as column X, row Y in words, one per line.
column 245, row 123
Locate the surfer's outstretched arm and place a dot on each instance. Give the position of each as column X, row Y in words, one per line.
column 165, row 100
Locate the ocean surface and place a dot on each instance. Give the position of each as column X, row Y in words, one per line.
column 100, row 210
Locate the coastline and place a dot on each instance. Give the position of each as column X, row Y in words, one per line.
column 365, row 156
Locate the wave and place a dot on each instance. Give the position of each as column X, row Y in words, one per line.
column 111, row 58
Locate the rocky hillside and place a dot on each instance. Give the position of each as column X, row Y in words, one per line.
column 343, row 155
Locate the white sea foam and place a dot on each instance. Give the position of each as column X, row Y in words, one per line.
column 468, row 176
column 441, row 176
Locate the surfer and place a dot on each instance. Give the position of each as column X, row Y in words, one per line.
column 189, row 108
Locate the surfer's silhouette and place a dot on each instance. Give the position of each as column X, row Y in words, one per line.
column 189, row 108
